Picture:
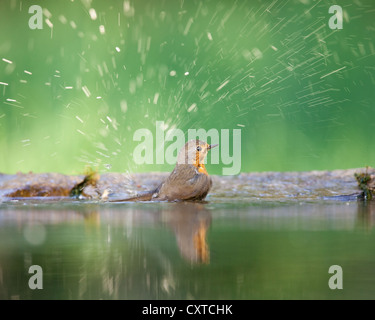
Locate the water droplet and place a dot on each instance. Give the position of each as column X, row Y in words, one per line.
column 92, row 14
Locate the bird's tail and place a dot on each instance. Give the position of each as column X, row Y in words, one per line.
column 147, row 196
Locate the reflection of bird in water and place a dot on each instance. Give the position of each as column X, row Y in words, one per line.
column 190, row 222
column 189, row 179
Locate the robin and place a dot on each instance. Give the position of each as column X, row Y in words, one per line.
column 189, row 179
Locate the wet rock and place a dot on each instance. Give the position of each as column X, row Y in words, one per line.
column 257, row 186
column 284, row 186
column 24, row 185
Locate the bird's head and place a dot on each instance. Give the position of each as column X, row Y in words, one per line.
column 194, row 152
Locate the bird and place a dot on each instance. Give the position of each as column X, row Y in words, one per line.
column 189, row 180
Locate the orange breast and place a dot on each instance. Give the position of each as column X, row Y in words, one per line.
column 200, row 166
column 202, row 169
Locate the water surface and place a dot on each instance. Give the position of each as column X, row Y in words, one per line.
column 213, row 250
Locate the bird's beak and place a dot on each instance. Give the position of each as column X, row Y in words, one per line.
column 212, row 146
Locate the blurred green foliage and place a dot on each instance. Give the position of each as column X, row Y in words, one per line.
column 301, row 93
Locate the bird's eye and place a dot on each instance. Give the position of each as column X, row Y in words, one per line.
column 199, row 148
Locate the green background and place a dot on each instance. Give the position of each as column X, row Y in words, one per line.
column 276, row 57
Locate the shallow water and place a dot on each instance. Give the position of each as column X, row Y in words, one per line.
column 214, row 250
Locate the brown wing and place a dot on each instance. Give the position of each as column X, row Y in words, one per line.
column 185, row 183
